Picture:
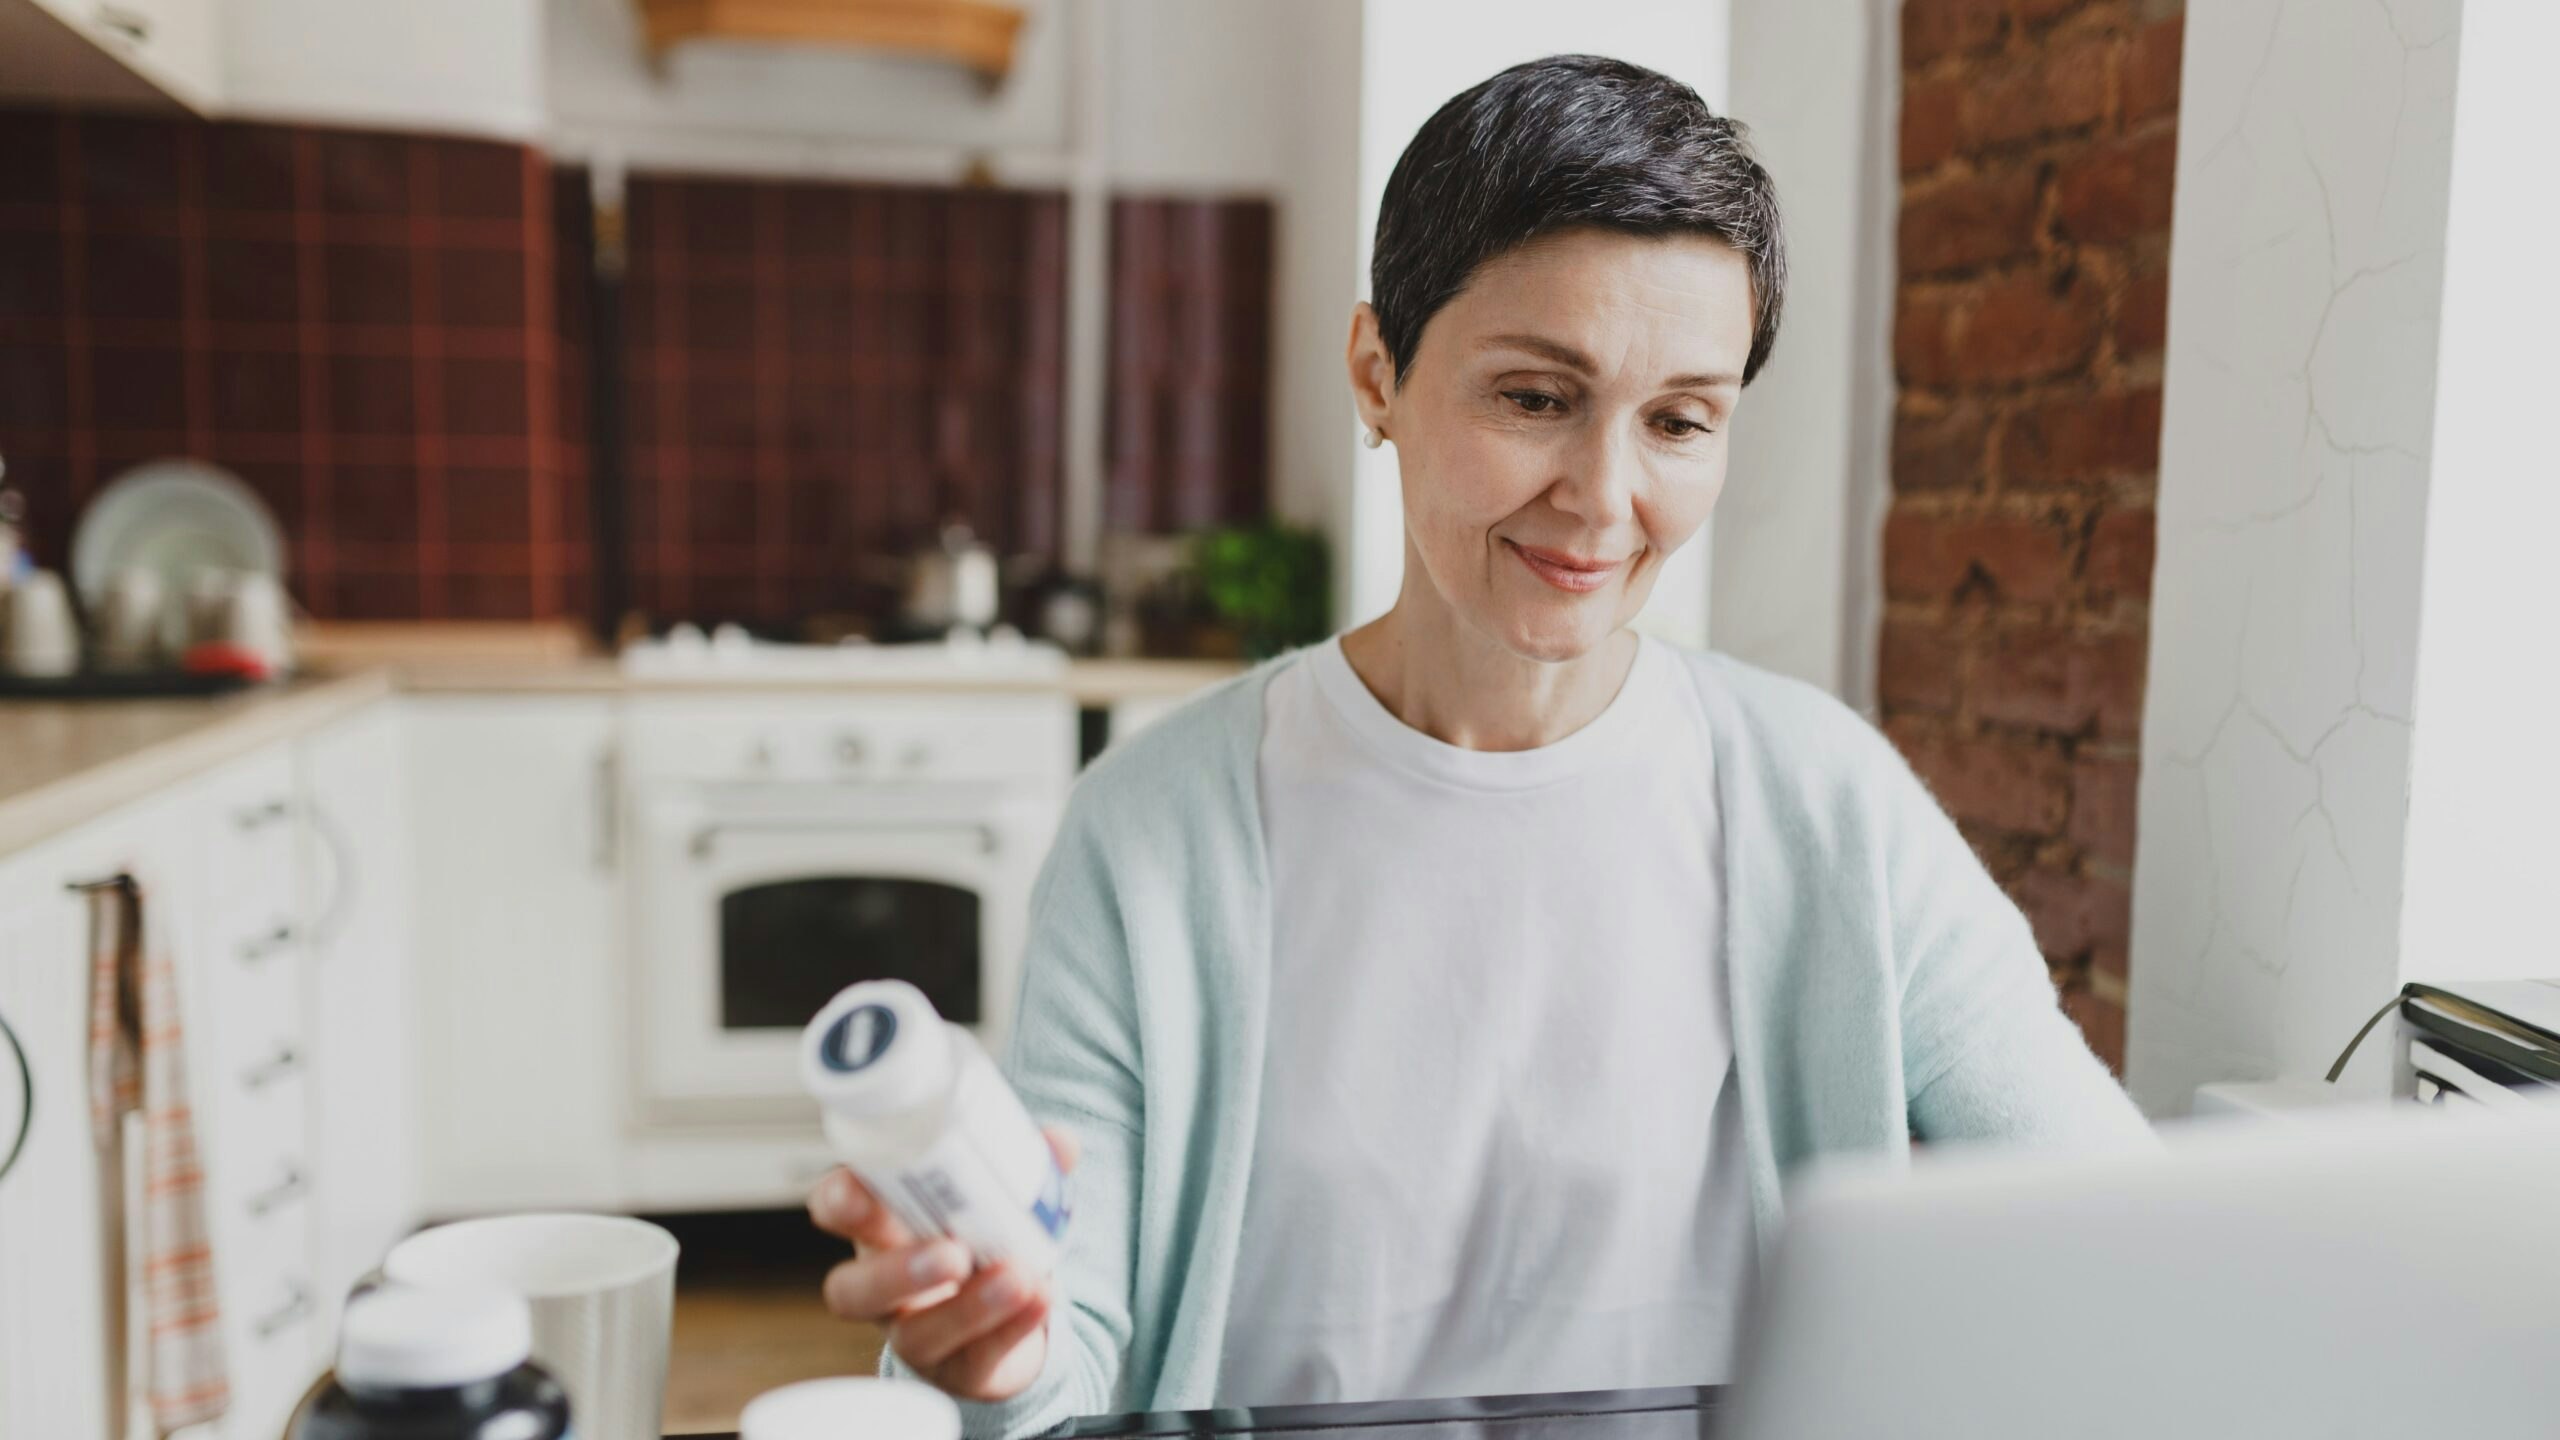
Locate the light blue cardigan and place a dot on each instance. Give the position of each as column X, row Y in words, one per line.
column 1882, row 988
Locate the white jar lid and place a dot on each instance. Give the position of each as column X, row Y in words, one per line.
column 405, row 1337
column 833, row 1409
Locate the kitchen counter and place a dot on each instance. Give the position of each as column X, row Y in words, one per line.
column 63, row 763
column 1100, row 683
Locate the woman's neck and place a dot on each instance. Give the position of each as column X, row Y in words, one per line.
column 1435, row 674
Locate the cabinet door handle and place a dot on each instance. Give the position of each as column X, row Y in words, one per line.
column 26, row 1094
column 345, row 881
column 608, row 810
column 275, row 1067
column 296, row 1306
column 288, row 1187
column 258, row 817
column 273, row 942
column 133, row 27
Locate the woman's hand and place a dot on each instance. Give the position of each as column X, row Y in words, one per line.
column 981, row 1336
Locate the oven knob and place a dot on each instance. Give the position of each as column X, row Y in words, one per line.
column 849, row 751
column 915, row 757
column 761, row 757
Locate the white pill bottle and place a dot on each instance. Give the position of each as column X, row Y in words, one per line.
column 917, row 1110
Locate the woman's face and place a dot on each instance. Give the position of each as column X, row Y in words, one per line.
column 1562, row 429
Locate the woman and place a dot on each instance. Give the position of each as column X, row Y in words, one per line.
column 1438, row 1009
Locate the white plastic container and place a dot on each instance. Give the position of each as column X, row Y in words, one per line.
column 914, row 1107
column 852, row 1408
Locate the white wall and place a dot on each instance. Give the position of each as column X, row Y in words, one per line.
column 1796, row 563
column 1415, row 55
column 2484, row 804
column 2299, row 467
column 1263, row 96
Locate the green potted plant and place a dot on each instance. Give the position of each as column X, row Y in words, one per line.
column 1271, row 582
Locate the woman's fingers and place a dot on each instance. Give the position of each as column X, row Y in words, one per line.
column 997, row 1294
column 879, row 1284
column 978, row 1336
column 996, row 1365
column 842, row 1206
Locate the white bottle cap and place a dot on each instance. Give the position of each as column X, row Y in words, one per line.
column 878, row 1046
column 405, row 1337
column 834, row 1409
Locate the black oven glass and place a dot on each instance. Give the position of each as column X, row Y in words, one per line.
column 786, row 948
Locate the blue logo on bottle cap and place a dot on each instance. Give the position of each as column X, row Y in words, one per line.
column 859, row 1036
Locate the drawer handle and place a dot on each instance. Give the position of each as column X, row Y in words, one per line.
column 275, row 1067
column 295, row 1309
column 136, row 28
column 273, row 942
column 258, row 817
column 284, row 1191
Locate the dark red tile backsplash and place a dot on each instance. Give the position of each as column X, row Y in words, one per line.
column 1190, row 363
column 817, row 375
column 341, row 319
column 388, row 337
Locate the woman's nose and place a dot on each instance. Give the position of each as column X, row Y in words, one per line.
column 1598, row 486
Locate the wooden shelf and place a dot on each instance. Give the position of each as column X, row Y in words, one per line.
column 976, row 33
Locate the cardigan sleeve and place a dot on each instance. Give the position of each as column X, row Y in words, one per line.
column 1073, row 1057
column 1987, row 1052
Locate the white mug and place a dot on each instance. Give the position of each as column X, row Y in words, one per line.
column 132, row 621
column 258, row 619
column 208, row 605
column 44, row 642
column 602, row 1288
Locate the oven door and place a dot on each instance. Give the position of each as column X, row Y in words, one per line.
column 761, row 903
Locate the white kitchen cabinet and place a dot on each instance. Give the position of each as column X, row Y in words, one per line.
column 299, row 1197
column 356, row 909
column 523, row 998
column 467, row 66
column 243, row 949
column 114, row 51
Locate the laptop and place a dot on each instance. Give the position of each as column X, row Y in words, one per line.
column 2386, row 1273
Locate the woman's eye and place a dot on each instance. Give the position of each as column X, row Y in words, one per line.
column 1535, row 402
column 1680, row 427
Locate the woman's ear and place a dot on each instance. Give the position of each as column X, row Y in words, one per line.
column 1373, row 372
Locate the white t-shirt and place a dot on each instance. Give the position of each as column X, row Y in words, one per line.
column 1499, row 1150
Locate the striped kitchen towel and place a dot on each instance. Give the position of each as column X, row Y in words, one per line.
column 138, row 1062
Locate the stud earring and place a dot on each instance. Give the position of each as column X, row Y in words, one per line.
column 1372, row 438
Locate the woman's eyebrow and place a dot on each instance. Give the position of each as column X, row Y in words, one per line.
column 1573, row 359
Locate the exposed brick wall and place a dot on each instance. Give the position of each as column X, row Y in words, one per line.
column 2039, row 138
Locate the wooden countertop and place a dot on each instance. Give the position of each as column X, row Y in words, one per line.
column 1087, row 682
column 63, row 763
column 66, row 762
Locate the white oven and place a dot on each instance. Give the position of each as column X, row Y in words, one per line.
column 787, row 845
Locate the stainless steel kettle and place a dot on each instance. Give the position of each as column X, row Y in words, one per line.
column 951, row 585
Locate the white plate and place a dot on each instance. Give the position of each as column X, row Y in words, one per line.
column 175, row 517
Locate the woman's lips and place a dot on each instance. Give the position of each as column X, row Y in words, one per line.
column 1565, row 572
